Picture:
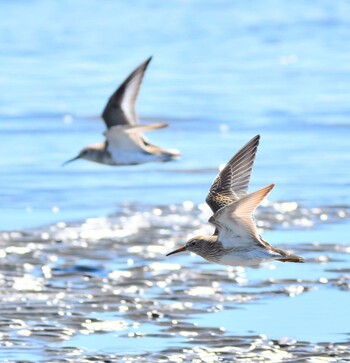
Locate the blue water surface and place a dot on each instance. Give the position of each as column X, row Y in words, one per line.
column 222, row 72
column 276, row 68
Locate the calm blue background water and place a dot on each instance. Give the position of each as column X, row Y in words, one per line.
column 276, row 68
column 221, row 72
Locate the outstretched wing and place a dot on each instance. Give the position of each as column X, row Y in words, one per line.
column 119, row 140
column 144, row 128
column 235, row 221
column 232, row 182
column 120, row 109
column 128, row 138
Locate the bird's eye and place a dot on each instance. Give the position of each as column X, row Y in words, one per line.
column 193, row 243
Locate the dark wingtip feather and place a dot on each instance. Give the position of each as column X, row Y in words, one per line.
column 292, row 258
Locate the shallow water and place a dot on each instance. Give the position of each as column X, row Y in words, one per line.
column 84, row 275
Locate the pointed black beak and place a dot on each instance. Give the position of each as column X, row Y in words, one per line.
column 70, row 160
column 181, row 249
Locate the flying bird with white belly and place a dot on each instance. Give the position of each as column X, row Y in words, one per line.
column 236, row 241
column 125, row 143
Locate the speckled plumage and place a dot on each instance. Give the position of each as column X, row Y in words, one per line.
column 232, row 181
column 236, row 241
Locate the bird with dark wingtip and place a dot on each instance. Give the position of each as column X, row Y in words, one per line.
column 125, row 143
column 236, row 241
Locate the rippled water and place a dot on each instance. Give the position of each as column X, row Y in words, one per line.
column 103, row 287
column 84, row 275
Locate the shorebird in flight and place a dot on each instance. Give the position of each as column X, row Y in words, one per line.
column 125, row 143
column 236, row 241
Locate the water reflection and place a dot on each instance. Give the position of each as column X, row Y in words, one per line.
column 62, row 284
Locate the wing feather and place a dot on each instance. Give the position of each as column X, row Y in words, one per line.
column 232, row 182
column 120, row 108
column 144, row 128
column 119, row 139
column 235, row 223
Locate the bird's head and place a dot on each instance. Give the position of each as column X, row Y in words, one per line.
column 195, row 245
column 87, row 153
